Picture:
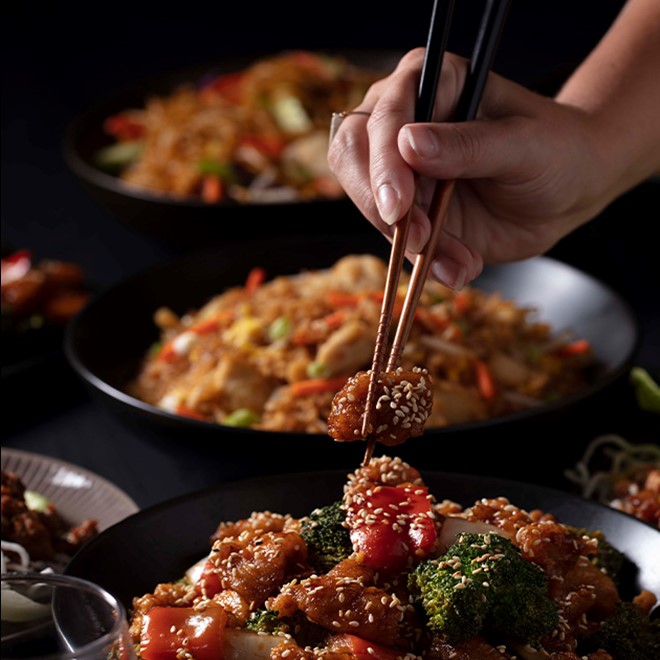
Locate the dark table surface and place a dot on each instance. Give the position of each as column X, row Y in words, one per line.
column 56, row 62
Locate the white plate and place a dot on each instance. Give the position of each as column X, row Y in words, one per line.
column 77, row 494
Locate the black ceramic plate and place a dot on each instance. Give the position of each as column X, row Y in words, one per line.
column 158, row 544
column 108, row 340
column 194, row 222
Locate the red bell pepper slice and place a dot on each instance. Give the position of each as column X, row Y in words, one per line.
column 229, row 86
column 184, row 411
column 124, row 128
column 209, row 583
column 578, row 347
column 167, row 631
column 392, row 526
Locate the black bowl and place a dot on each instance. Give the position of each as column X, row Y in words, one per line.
column 124, row 559
column 107, row 341
column 189, row 221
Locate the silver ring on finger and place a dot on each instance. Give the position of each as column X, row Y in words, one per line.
column 338, row 118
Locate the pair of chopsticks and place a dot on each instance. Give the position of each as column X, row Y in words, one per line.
column 487, row 41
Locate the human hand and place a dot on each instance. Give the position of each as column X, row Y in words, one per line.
column 528, row 169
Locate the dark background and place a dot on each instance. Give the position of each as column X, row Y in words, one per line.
column 59, row 59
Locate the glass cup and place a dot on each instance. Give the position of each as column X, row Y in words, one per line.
column 60, row 617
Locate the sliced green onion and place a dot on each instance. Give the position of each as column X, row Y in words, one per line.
column 215, row 168
column 290, row 115
column 280, row 328
column 647, row 391
column 119, row 156
column 35, row 501
column 241, row 417
column 155, row 348
column 318, row 370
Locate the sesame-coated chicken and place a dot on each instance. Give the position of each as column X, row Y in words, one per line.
column 402, row 405
column 384, row 471
column 254, row 566
column 345, row 600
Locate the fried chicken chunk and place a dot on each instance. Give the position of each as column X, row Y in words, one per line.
column 346, row 601
column 383, row 471
column 241, row 572
column 403, row 404
column 258, row 523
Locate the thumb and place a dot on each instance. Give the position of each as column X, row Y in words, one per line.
column 484, row 148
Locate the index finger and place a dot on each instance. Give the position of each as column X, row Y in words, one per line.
column 392, row 179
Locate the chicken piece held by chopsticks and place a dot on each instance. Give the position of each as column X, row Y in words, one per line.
column 402, row 405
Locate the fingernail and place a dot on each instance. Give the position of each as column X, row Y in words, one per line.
column 449, row 272
column 417, row 238
column 422, row 141
column 389, row 204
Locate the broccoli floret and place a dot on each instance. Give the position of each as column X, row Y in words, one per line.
column 328, row 541
column 267, row 621
column 484, row 584
column 626, row 634
column 298, row 626
column 609, row 559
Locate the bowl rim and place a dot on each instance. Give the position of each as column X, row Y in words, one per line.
column 86, row 123
column 144, row 409
column 523, row 493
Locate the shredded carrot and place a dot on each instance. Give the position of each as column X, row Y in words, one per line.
column 578, row 347
column 205, row 327
column 167, row 353
column 302, row 338
column 339, row 299
column 336, row 319
column 485, row 382
column 431, row 321
column 254, row 280
column 189, row 412
column 342, row 299
column 462, row 302
column 317, row 385
column 223, row 318
column 211, row 189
